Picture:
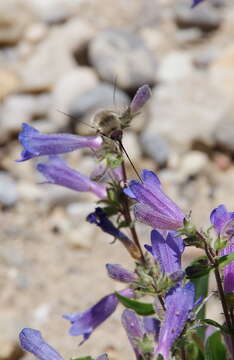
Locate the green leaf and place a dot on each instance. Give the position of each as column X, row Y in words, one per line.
column 215, row 349
column 201, row 289
column 215, row 324
column 140, row 308
column 198, row 267
column 225, row 259
column 82, row 358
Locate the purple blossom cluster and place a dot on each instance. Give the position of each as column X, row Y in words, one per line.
column 163, row 327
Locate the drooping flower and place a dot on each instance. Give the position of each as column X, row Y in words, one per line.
column 178, row 306
column 167, row 251
column 36, row 144
column 99, row 217
column 155, row 208
column 32, row 341
column 119, row 273
column 223, row 221
column 141, row 97
column 57, row 172
column 84, row 323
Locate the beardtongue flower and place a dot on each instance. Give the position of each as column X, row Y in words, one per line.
column 137, row 328
column 100, row 218
column 32, row 341
column 84, row 323
column 223, row 222
column 155, row 208
column 57, row 172
column 167, row 251
column 178, row 306
column 36, row 144
column 141, row 97
column 117, row 272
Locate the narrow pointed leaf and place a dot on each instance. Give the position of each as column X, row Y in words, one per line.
column 140, row 308
column 225, row 259
column 215, row 324
column 215, row 349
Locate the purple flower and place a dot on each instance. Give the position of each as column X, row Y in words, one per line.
column 99, row 217
column 155, row 208
column 32, row 341
column 223, row 221
column 57, row 172
column 196, row 2
column 117, row 272
column 228, row 271
column 84, row 323
column 36, row 144
column 141, row 97
column 178, row 304
column 137, row 328
column 167, row 251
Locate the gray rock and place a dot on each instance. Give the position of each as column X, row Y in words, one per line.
column 206, row 17
column 26, row 107
column 134, row 67
column 14, row 17
column 8, row 189
column 176, row 65
column 68, row 90
column 156, row 147
column 183, row 111
column 102, row 96
column 192, row 164
column 54, row 56
column 224, row 134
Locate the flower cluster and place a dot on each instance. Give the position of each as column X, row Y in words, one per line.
column 172, row 324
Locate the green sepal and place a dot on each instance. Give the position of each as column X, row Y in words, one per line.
column 229, row 298
column 225, row 259
column 140, row 308
column 215, row 349
column 83, row 358
column 215, row 324
column 199, row 267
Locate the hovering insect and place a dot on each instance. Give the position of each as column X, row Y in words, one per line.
column 110, row 124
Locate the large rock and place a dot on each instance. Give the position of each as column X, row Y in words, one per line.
column 175, row 66
column 205, row 17
column 224, row 134
column 121, row 54
column 68, row 91
column 14, row 18
column 8, row 189
column 186, row 111
column 54, row 56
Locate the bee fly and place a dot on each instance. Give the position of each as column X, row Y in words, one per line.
column 110, row 125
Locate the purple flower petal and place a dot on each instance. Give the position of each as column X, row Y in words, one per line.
column 37, row 144
column 141, row 97
column 167, row 251
column 32, row 341
column 155, row 208
column 84, row 323
column 219, row 217
column 137, row 327
column 117, row 272
column 57, row 172
column 228, row 270
column 178, row 306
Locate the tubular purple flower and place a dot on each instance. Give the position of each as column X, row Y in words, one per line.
column 57, row 172
column 32, row 341
column 223, row 221
column 167, row 251
column 141, row 97
column 137, row 327
column 36, row 144
column 117, row 272
column 155, row 208
column 228, row 271
column 84, row 323
column 178, row 306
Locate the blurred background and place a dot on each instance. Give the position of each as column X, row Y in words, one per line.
column 66, row 55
